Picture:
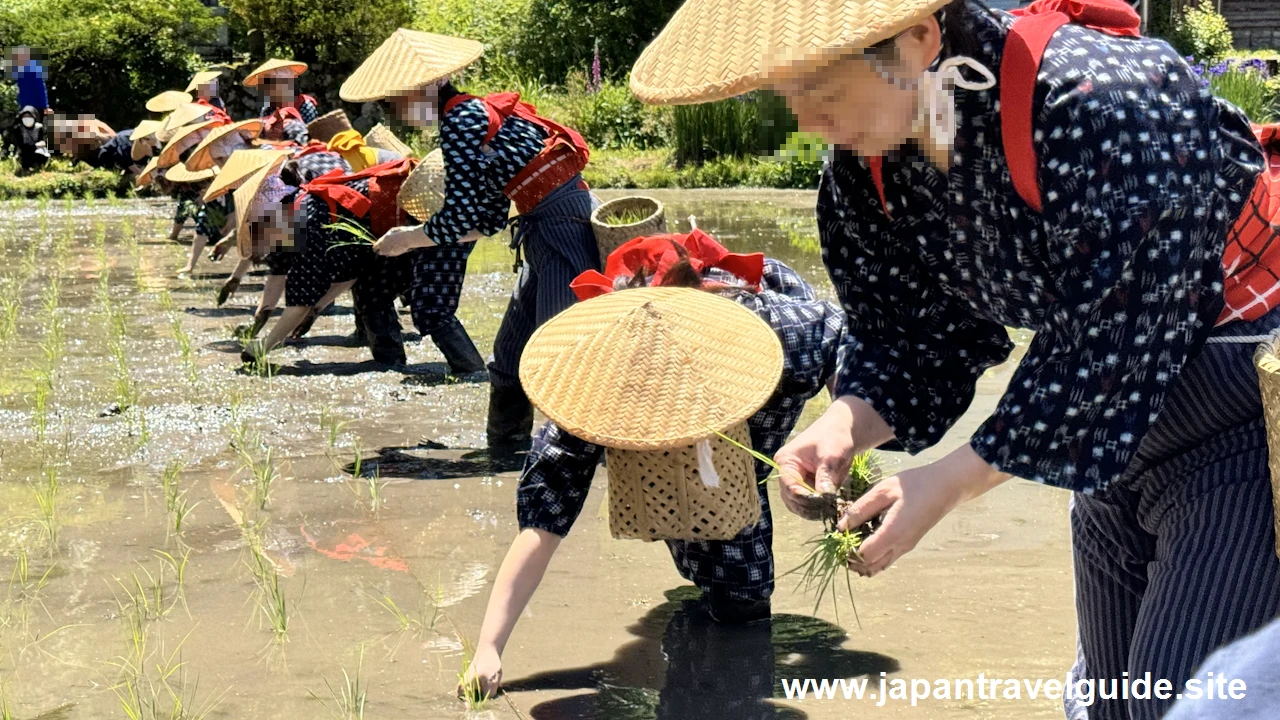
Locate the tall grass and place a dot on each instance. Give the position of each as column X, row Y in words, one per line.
column 1248, row 91
column 727, row 128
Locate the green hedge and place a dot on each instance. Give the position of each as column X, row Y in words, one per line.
column 61, row 180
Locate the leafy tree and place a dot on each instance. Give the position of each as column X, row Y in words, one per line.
column 333, row 34
column 560, row 35
column 108, row 56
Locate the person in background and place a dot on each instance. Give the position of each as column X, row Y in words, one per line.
column 205, row 86
column 30, row 140
column 116, row 154
column 736, row 576
column 28, row 75
column 1056, row 171
column 497, row 151
column 285, row 113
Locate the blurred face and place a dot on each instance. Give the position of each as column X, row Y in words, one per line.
column 20, row 56
column 419, row 108
column 271, row 227
column 207, row 90
column 863, row 101
column 279, row 90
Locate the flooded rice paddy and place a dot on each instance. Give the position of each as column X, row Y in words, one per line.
column 180, row 533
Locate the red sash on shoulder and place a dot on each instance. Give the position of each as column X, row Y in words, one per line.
column 379, row 205
column 562, row 158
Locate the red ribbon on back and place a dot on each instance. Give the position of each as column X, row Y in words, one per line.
column 654, row 255
column 1114, row 17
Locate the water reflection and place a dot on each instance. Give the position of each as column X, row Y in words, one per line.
column 710, row 670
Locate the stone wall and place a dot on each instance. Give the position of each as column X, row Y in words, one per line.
column 1255, row 24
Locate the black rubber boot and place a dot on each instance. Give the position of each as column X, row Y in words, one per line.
column 382, row 333
column 728, row 611
column 510, row 424
column 458, row 350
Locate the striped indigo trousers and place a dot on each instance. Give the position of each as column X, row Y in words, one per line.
column 1178, row 557
column 558, row 246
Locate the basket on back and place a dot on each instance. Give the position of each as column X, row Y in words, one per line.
column 643, row 216
column 653, row 374
column 1267, row 360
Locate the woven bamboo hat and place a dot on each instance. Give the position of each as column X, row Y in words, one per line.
column 143, row 139
column 274, row 68
column 422, row 193
column 149, row 173
column 651, row 368
column 323, row 128
column 186, row 138
column 201, row 78
column 223, row 138
column 406, row 60
column 238, row 168
column 715, row 49
column 246, row 204
column 168, row 101
column 180, row 173
column 183, row 116
column 380, row 136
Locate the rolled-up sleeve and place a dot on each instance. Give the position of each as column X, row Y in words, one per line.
column 1137, row 210
column 912, row 352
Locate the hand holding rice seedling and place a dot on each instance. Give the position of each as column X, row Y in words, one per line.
column 834, row 548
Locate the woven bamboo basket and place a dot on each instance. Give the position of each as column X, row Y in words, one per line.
column 326, row 126
column 661, row 494
column 610, row 237
column 1267, row 360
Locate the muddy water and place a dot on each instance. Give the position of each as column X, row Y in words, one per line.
column 97, row 614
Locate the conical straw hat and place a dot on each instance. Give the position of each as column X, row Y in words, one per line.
column 273, row 66
column 239, row 167
column 380, row 136
column 143, row 138
column 185, row 139
column 651, row 368
column 236, row 133
column 148, row 174
column 422, row 193
column 246, row 197
column 168, row 101
column 184, row 115
column 406, row 60
column 201, row 78
column 180, row 173
column 716, row 49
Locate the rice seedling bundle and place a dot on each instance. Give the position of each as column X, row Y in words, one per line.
column 831, row 550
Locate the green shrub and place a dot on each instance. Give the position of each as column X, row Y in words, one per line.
column 60, row 180
column 613, row 118
column 1202, row 33
column 108, row 56
column 8, row 102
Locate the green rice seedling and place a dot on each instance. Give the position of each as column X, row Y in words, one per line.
column 10, row 306
column 331, row 426
column 169, row 483
column 349, row 697
column 183, row 340
column 272, row 604
column 358, row 233
column 46, row 496
column 42, row 390
column 261, row 468
column 473, row 693
column 833, row 549
column 181, row 511
column 49, row 295
column 178, row 566
column 629, row 216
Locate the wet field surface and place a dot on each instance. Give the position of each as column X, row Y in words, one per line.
column 175, row 528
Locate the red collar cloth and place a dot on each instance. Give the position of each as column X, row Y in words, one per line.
column 654, row 256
